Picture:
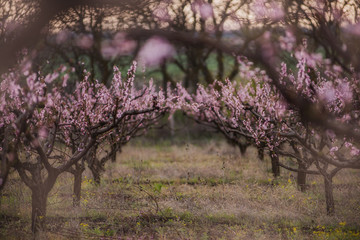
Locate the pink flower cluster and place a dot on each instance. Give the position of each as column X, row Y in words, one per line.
column 155, row 51
column 91, row 111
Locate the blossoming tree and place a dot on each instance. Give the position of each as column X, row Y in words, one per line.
column 106, row 150
column 256, row 110
column 64, row 127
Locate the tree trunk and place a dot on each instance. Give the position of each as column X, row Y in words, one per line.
column 275, row 167
column 329, row 196
column 261, row 153
column 96, row 176
column 77, row 188
column 38, row 213
column 172, row 126
column 95, row 165
column 39, row 192
column 77, row 172
column 242, row 148
column 301, row 177
column 113, row 157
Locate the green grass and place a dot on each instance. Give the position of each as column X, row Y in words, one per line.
column 204, row 191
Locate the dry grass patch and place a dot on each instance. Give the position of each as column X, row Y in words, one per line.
column 188, row 192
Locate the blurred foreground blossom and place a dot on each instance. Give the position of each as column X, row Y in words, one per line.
column 354, row 29
column 12, row 26
column 327, row 92
column 311, row 59
column 85, row 41
column 62, row 37
column 43, row 133
column 288, row 41
column 118, row 46
column 263, row 10
column 205, row 9
column 25, row 67
column 162, row 13
column 155, row 50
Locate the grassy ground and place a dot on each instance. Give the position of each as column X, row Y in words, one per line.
column 202, row 191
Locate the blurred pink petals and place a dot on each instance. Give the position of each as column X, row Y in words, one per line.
column 162, row 13
column 204, row 9
column 353, row 29
column 117, row 46
column 84, row 41
column 263, row 10
column 155, row 51
column 43, row 132
column 288, row 41
column 62, row 37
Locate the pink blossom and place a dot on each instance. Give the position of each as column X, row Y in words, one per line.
column 312, row 59
column 264, row 10
column 25, row 67
column 65, row 79
column 206, row 10
column 333, row 150
column 155, row 51
column 337, row 68
column 51, row 77
column 327, row 92
column 162, row 13
column 84, row 41
column 62, row 37
column 288, row 41
column 43, row 132
column 354, row 151
column 118, row 46
column 354, row 29
column 122, row 44
column 346, row 91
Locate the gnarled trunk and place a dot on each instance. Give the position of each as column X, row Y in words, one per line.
column 301, row 177
column 243, row 147
column 113, row 148
column 77, row 186
column 39, row 192
column 261, row 153
column 329, row 195
column 38, row 211
column 275, row 167
column 95, row 165
column 96, row 176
